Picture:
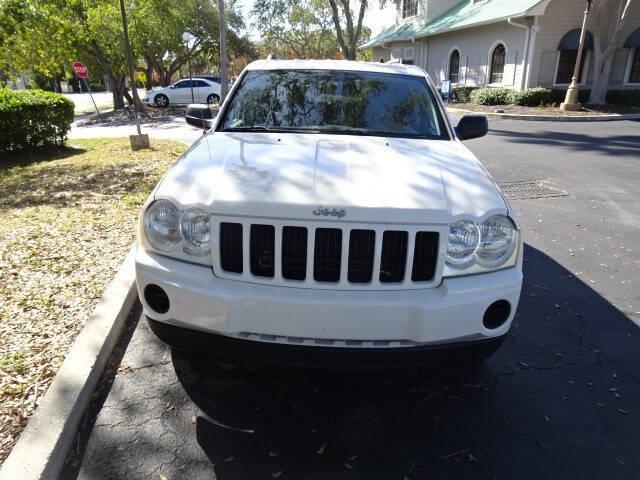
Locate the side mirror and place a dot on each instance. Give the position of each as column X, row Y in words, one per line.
column 472, row 126
column 199, row 115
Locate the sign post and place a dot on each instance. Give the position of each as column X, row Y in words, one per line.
column 446, row 90
column 82, row 72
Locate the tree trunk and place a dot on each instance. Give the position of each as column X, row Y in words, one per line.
column 149, row 73
column 128, row 96
column 601, row 75
column 118, row 91
column 609, row 18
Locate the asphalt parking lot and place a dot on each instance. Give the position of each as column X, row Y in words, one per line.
column 561, row 399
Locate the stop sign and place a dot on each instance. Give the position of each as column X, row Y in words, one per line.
column 80, row 69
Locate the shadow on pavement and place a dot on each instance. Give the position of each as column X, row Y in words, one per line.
column 559, row 400
column 614, row 145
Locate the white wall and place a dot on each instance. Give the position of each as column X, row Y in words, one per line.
column 475, row 46
column 562, row 16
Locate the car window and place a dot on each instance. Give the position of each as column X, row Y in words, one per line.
column 183, row 84
column 364, row 103
column 200, row 83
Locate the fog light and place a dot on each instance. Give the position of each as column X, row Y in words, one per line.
column 497, row 314
column 156, row 298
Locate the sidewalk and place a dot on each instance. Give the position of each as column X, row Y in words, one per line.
column 172, row 128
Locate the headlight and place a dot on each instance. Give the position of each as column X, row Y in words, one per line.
column 481, row 248
column 196, row 230
column 162, row 225
column 497, row 241
column 464, row 239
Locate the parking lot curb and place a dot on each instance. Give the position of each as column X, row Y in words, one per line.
column 42, row 448
column 550, row 118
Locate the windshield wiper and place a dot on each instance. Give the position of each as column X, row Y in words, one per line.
column 250, row 128
column 345, row 129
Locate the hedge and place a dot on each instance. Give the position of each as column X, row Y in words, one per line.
column 493, row 96
column 33, row 118
column 629, row 98
column 462, row 94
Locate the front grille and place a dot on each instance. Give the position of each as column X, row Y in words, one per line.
column 262, row 247
column 361, row 249
column 394, row 256
column 231, row 247
column 327, row 255
column 294, row 253
column 425, row 255
column 316, row 256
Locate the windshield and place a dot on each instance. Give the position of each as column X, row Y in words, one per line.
column 323, row 101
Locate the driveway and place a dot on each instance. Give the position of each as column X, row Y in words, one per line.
column 561, row 399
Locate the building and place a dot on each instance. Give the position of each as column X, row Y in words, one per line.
column 511, row 43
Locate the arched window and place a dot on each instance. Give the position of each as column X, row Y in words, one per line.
column 498, row 58
column 633, row 44
column 568, row 54
column 454, row 67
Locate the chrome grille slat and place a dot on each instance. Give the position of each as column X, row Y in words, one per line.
column 329, row 255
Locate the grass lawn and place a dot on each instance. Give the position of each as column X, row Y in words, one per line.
column 67, row 220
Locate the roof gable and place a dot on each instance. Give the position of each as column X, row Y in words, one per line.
column 465, row 14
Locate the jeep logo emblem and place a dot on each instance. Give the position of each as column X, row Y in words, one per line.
column 330, row 212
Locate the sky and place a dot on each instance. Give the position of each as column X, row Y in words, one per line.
column 375, row 18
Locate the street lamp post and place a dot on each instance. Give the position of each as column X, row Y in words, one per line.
column 571, row 100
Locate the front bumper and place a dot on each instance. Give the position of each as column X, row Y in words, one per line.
column 450, row 313
column 367, row 359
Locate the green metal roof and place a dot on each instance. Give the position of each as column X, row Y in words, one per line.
column 463, row 15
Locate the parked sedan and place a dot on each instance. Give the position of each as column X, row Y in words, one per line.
column 181, row 93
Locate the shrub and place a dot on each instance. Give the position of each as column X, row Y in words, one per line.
column 558, row 95
column 97, row 87
column 33, row 118
column 629, row 98
column 492, row 96
column 462, row 94
column 533, row 97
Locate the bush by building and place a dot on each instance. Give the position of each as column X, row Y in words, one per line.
column 629, row 98
column 33, row 118
column 493, row 96
column 462, row 94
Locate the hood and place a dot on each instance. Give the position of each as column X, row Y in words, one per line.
column 373, row 179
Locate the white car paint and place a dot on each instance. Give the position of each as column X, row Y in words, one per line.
column 381, row 183
column 179, row 93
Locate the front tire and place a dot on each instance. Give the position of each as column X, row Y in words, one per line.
column 161, row 100
column 213, row 99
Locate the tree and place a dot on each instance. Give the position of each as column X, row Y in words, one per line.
column 607, row 19
column 302, row 29
column 157, row 27
column 349, row 35
column 45, row 36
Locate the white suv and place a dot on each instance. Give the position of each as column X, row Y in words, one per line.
column 331, row 216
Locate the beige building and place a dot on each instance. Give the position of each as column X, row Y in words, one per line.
column 511, row 43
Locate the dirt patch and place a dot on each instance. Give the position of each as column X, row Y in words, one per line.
column 587, row 110
column 67, row 219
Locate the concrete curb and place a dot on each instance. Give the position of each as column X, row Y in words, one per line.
column 43, row 445
column 551, row 118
